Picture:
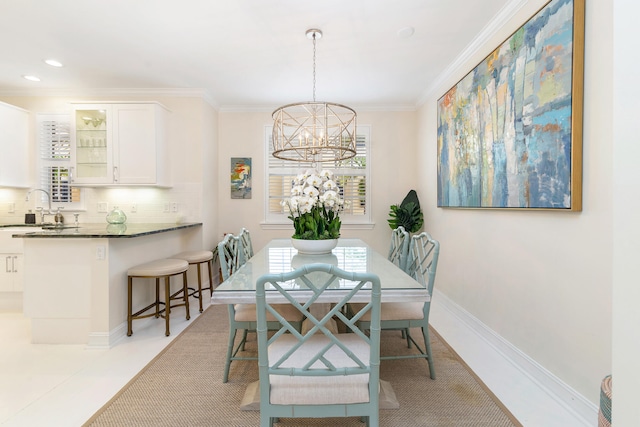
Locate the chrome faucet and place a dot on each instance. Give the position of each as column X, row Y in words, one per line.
column 42, row 214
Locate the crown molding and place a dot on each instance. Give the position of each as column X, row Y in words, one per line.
column 98, row 92
column 478, row 44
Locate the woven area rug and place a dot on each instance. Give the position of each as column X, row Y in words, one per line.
column 183, row 387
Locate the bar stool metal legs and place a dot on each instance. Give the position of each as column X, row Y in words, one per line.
column 198, row 258
column 157, row 270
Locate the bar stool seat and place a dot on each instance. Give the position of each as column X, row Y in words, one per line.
column 158, row 269
column 198, row 258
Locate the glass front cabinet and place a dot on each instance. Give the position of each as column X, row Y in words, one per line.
column 119, row 144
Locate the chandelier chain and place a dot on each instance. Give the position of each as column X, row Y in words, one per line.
column 314, row 67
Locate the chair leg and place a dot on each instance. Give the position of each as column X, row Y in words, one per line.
column 167, row 311
column 427, row 344
column 185, row 289
column 232, row 338
column 129, row 306
column 244, row 339
column 210, row 264
column 199, row 287
column 157, row 297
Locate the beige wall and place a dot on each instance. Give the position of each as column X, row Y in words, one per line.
column 541, row 280
column 626, row 205
column 393, row 170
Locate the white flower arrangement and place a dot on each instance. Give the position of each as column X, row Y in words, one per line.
column 314, row 206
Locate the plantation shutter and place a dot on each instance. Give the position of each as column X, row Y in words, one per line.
column 55, row 158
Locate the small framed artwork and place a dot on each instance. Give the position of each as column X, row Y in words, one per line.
column 510, row 132
column 241, row 177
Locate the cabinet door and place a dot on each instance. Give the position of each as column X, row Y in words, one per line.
column 92, row 148
column 14, row 146
column 135, row 148
column 11, row 272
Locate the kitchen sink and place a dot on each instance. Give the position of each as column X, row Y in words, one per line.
column 57, row 227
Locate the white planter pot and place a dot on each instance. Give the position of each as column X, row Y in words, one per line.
column 314, row 247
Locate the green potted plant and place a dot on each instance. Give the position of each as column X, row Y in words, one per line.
column 407, row 214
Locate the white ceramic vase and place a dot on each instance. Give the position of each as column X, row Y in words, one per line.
column 314, row 247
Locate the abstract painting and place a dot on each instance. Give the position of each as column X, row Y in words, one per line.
column 241, row 177
column 510, row 132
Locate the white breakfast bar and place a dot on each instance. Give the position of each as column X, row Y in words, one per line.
column 75, row 279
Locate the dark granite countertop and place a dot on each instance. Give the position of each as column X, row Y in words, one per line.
column 91, row 231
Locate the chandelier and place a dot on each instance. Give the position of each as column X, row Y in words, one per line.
column 314, row 131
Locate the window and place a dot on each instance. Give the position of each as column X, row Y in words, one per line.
column 54, row 161
column 352, row 175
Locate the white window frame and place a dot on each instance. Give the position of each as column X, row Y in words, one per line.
column 42, row 163
column 273, row 221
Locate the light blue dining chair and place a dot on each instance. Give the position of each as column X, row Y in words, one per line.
column 247, row 245
column 320, row 373
column 399, row 247
column 242, row 316
column 422, row 265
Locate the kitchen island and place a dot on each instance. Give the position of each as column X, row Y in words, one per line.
column 75, row 279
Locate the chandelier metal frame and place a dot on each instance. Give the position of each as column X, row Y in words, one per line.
column 314, row 131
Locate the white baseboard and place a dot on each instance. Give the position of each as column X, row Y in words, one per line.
column 491, row 357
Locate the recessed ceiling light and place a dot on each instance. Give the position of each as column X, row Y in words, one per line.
column 53, row 62
column 406, row 32
column 32, row 78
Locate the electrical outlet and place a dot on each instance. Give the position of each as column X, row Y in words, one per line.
column 12, row 207
column 166, row 208
column 174, row 207
column 103, row 207
column 100, row 252
column 134, row 208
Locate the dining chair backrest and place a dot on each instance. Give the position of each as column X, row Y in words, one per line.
column 399, row 247
column 318, row 373
column 230, row 255
column 423, row 259
column 247, row 246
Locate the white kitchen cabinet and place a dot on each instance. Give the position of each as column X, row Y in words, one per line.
column 11, row 278
column 14, row 146
column 119, row 144
column 11, row 261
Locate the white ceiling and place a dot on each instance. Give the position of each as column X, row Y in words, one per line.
column 241, row 53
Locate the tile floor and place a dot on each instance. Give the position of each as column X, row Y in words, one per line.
column 64, row 385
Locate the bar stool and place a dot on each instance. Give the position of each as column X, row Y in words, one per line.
column 163, row 268
column 198, row 258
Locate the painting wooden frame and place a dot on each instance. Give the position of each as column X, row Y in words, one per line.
column 510, row 131
column 240, row 177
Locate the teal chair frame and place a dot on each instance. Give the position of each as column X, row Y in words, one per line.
column 399, row 247
column 247, row 246
column 315, row 360
column 232, row 257
column 422, row 265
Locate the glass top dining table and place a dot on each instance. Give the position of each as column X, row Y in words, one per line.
column 352, row 255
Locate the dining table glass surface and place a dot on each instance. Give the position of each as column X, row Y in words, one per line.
column 352, row 255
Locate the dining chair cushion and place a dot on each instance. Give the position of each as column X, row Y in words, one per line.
column 247, row 313
column 395, row 311
column 319, row 390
